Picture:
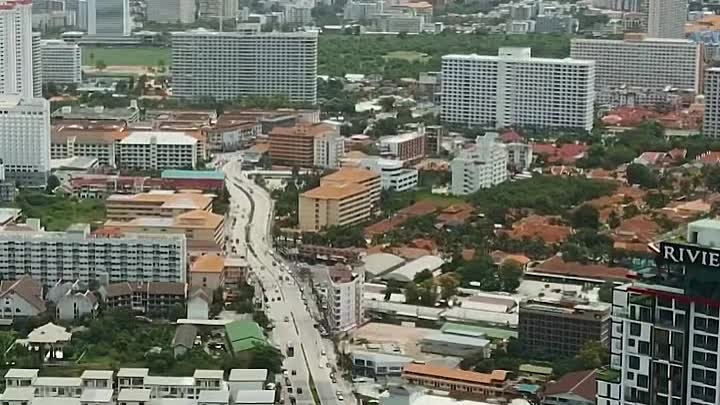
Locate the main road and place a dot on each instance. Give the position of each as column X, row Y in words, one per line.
column 252, row 206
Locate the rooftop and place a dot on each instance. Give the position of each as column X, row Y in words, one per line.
column 133, row 395
column 193, row 174
column 303, row 130
column 378, row 263
column 555, row 265
column 209, row 264
column 476, row 331
column 334, row 191
column 580, row 383
column 450, row 339
column 133, row 372
column 159, row 137
column 102, row 113
column 456, row 374
column 255, row 397
column 165, row 199
column 407, row 271
column 350, row 175
column 248, row 374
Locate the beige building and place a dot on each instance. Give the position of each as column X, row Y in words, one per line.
column 159, row 203
column 334, row 205
column 197, row 225
column 367, row 178
column 208, row 272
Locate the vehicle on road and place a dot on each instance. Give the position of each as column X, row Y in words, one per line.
column 290, row 349
column 339, row 396
column 333, row 379
column 299, row 390
column 322, row 352
column 294, row 372
column 287, row 319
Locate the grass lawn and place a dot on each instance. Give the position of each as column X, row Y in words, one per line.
column 410, row 56
column 57, row 212
column 126, row 56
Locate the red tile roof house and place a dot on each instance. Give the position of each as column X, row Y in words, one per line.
column 557, row 268
column 567, row 153
column 576, row 388
column 540, row 227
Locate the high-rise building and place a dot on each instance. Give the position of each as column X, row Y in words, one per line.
column 711, row 118
column 408, row 148
column 297, row 146
column 667, row 18
column 362, row 10
column 16, row 48
column 61, row 61
column 514, row 88
column 664, row 335
column 344, row 298
column 25, row 138
column 37, row 65
column 265, row 64
column 217, row 8
column 171, row 11
column 298, row 13
column 329, row 148
column 649, row 65
column 111, row 17
column 482, row 166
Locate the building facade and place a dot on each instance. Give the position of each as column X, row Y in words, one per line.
column 362, row 10
column 62, row 62
column 393, row 174
column 667, row 18
column 296, row 146
column 711, row 118
column 158, row 150
column 520, row 155
column 146, row 297
column 482, row 166
column 409, row 147
column 647, row 65
column 664, row 343
column 511, row 89
column 37, row 65
column 49, row 257
column 25, row 139
column 16, row 48
column 284, row 64
column 111, row 17
column 171, row 11
column 328, row 149
column 334, row 205
column 160, row 203
column 343, row 298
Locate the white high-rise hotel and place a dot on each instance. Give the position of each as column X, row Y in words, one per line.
column 16, row 48
column 514, row 88
column 667, row 18
column 228, row 65
column 25, row 138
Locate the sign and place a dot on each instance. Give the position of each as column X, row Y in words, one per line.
column 689, row 254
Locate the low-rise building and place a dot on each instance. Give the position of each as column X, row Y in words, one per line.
column 21, row 298
column 378, row 365
column 482, row 166
column 295, row 146
column 577, row 388
column 365, row 178
column 160, row 203
column 208, row 272
column 99, row 113
column 102, row 145
column 393, row 174
column 493, row 384
column 519, row 155
column 562, row 328
column 196, row 225
column 76, row 305
column 455, row 345
column 158, row 150
column 229, row 135
column 146, row 297
column 247, row 379
column 409, row 147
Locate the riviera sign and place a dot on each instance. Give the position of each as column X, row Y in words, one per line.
column 689, row 254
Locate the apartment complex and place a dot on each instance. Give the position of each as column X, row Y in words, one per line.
column 512, row 89
column 520, row 155
column 434, row 135
column 157, row 203
column 135, row 386
column 145, row 297
column 667, row 18
column 263, row 64
column 25, row 138
column 197, row 225
column 158, row 150
column 408, row 148
column 493, row 384
column 61, row 61
column 76, row 254
column 711, row 118
column 561, row 328
column 639, row 70
column 306, row 145
column 217, row 8
column 482, row 166
column 664, row 335
column 345, row 197
column 101, row 145
column 393, row 174
column 171, row 11
column 343, row 298
column 16, row 49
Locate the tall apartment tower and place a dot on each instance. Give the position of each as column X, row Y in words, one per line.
column 37, row 65
column 16, row 48
column 514, row 88
column 711, row 119
column 665, row 327
column 110, row 17
column 667, row 18
column 263, row 64
column 61, row 61
column 171, row 11
column 25, row 138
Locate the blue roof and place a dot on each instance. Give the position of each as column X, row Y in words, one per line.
column 529, row 388
column 193, row 174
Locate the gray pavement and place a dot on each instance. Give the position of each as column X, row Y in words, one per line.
column 272, row 272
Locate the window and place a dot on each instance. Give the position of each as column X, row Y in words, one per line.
column 635, row 329
column 634, row 362
column 643, row 381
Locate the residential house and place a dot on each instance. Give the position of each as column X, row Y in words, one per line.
column 198, row 303
column 546, row 228
column 77, row 304
column 576, row 388
column 555, row 267
column 243, row 335
column 21, row 298
column 634, row 234
column 208, row 272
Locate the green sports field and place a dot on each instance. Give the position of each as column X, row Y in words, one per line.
column 126, row 56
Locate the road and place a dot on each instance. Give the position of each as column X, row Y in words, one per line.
column 252, row 206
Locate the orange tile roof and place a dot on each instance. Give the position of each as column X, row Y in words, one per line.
column 536, row 226
column 420, row 208
column 303, row 130
column 350, row 175
column 500, row 257
column 497, row 376
column 209, row 264
column 556, row 265
column 335, row 191
column 199, row 218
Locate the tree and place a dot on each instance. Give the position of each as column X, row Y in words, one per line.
column 266, row 357
column 100, row 65
column 448, row 284
column 480, row 271
column 121, row 87
column 261, row 319
column 585, row 216
column 52, row 183
column 387, row 103
column 422, row 276
column 630, row 211
column 641, row 175
column 509, row 275
column 161, row 65
column 711, row 175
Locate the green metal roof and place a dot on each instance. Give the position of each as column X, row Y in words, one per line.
column 476, row 331
column 244, row 335
column 193, row 174
column 531, row 369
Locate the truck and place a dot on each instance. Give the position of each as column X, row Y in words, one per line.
column 290, row 349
